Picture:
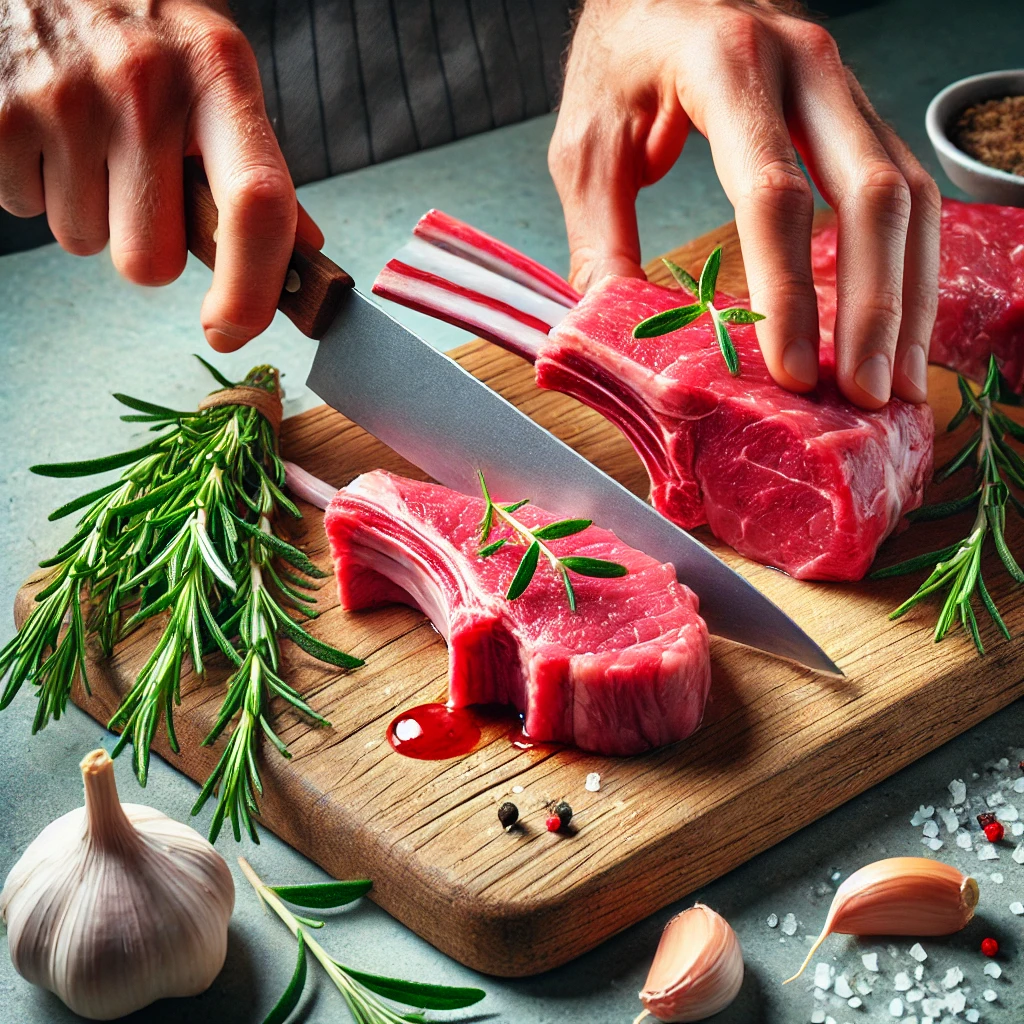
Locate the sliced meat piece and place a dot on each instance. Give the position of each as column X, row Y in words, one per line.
column 627, row 671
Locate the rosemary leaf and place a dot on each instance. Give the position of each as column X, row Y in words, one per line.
column 670, row 320
column 562, row 528
column 527, row 567
column 323, row 895
column 739, row 315
column 293, row 993
column 417, row 993
column 709, row 276
column 594, row 567
column 684, row 278
column 943, row 509
column 92, row 466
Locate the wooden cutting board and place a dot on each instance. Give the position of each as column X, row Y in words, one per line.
column 779, row 747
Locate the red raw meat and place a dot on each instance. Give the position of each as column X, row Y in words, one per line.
column 628, row 671
column 981, row 289
column 808, row 484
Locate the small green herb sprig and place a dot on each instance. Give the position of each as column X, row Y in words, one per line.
column 956, row 570
column 187, row 531
column 534, row 542
column 704, row 292
column 361, row 991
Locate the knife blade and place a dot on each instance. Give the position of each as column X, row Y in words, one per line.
column 441, row 418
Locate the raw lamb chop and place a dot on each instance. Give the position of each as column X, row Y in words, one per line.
column 981, row 289
column 809, row 484
column 628, row 671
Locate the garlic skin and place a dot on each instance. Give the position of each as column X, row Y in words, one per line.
column 900, row 896
column 114, row 906
column 697, row 969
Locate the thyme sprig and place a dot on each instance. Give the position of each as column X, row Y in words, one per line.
column 704, row 292
column 534, row 542
column 361, row 990
column 956, row 570
column 186, row 532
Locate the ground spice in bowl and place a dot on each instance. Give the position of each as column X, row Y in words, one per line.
column 993, row 133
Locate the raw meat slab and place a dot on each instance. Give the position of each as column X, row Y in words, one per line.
column 774, row 736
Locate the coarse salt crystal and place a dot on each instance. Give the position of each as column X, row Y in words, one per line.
column 789, row 924
column 1018, row 853
column 517, row 789
column 870, row 961
column 896, row 1008
column 919, row 971
column 993, row 970
column 995, row 799
column 1018, row 785
column 1008, row 813
column 915, row 995
column 822, row 976
column 1004, row 762
column 836, row 875
column 918, row 953
column 963, row 840
column 956, row 1001
column 830, row 1020
column 973, row 1016
column 864, row 987
column 773, row 921
column 997, row 877
column 953, row 977
column 842, row 987
column 921, row 815
column 818, row 1017
column 820, row 994
column 933, row 844
column 933, row 1007
column 1017, row 828
column 989, row 995
column 854, row 1002
column 988, row 852
column 958, row 791
column 593, row 783
column 1017, row 908
column 931, row 829
column 949, row 819
column 902, row 982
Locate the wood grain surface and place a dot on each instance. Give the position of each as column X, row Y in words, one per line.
column 779, row 747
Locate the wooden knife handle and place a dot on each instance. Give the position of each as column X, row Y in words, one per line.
column 314, row 285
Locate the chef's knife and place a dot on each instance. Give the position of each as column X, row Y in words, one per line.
column 439, row 417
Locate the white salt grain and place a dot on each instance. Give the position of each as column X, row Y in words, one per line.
column 919, row 972
column 842, row 987
column 988, row 852
column 830, row 1020
column 817, row 1017
column 864, row 987
column 918, row 953
column 973, row 1016
column 854, row 1002
column 896, row 1008
column 593, row 783
column 958, row 791
column 1017, row 908
column 870, row 961
column 773, row 921
column 1017, row 828
column 1018, row 854
column 517, row 789
column 933, row 1007
column 931, row 829
column 902, row 982
column 822, row 976
column 997, row 877
column 953, row 977
column 933, row 844
column 915, row 995
column 789, row 924
column 963, row 840
column 1018, row 785
column 989, row 995
column 993, row 970
column 921, row 815
column 1008, row 813
column 949, row 819
column 956, row 1001
column 995, row 799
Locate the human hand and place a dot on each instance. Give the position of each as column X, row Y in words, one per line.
column 762, row 85
column 101, row 100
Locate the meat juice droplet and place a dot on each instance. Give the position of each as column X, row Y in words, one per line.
column 434, row 732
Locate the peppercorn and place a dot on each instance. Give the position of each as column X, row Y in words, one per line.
column 553, row 823
column 508, row 815
column 986, row 818
column 564, row 812
column 994, row 832
column 989, row 947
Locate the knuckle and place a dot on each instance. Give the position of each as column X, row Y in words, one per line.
column 924, row 194
column 882, row 186
column 141, row 75
column 884, row 306
column 819, row 45
column 745, row 37
column 263, row 196
column 780, row 185
column 224, row 49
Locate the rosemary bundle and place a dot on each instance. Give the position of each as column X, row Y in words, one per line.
column 998, row 469
column 186, row 531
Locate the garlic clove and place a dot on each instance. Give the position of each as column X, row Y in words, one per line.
column 900, row 896
column 114, row 906
column 697, row 969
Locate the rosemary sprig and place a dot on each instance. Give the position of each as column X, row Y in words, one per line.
column 361, row 991
column 533, row 540
column 956, row 570
column 187, row 531
column 704, row 292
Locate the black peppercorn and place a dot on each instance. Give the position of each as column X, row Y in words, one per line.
column 986, row 818
column 564, row 812
column 508, row 815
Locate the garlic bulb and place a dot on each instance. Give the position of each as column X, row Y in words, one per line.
column 900, row 896
column 114, row 906
column 697, row 969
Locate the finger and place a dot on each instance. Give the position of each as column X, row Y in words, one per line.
column 921, row 259
column 307, row 229
column 757, row 165
column 254, row 195
column 595, row 169
column 21, row 168
column 872, row 203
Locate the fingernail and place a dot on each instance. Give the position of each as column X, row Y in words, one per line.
column 800, row 361
column 915, row 368
column 875, row 377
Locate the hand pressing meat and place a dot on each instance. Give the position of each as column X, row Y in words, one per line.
column 101, row 100
column 763, row 85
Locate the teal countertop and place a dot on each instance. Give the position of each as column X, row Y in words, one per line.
column 71, row 332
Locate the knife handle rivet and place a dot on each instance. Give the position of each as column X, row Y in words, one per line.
column 292, row 283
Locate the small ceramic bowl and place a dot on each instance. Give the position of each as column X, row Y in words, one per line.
column 975, row 178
